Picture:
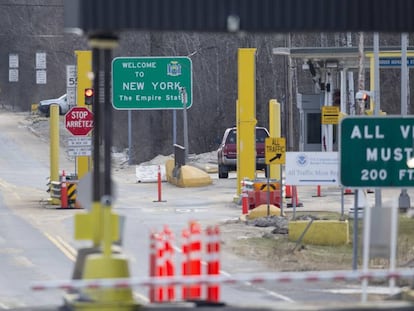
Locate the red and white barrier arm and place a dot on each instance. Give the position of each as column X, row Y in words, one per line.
column 279, row 277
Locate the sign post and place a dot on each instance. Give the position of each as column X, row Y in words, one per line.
column 151, row 82
column 275, row 153
column 374, row 152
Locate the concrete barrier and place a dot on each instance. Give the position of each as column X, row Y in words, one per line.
column 261, row 211
column 186, row 175
column 321, row 232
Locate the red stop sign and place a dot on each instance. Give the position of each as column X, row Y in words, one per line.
column 79, row 121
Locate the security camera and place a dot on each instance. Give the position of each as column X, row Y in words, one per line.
column 363, row 95
column 359, row 95
column 233, row 23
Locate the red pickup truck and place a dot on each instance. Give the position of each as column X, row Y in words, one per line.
column 227, row 151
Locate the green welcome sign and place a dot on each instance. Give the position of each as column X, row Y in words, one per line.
column 151, row 82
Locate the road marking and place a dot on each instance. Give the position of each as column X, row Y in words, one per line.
column 262, row 289
column 189, row 210
column 141, row 297
column 66, row 249
column 22, row 261
column 12, row 305
column 12, row 189
column 67, row 246
column 156, row 210
column 274, row 294
column 71, row 253
column 378, row 290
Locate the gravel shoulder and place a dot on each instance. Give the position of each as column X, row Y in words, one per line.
column 276, row 252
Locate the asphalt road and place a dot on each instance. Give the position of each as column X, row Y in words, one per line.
column 27, row 254
column 37, row 240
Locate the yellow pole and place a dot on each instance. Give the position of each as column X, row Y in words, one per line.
column 107, row 234
column 246, row 123
column 54, row 147
column 84, row 69
column 274, row 131
column 97, row 234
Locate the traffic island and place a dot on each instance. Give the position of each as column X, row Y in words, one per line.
column 319, row 232
column 186, row 175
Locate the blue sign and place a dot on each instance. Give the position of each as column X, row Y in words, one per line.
column 394, row 62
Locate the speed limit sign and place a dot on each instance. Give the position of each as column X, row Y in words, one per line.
column 71, row 78
column 71, row 82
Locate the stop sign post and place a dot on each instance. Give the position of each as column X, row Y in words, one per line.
column 79, row 121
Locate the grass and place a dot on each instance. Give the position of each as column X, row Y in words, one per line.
column 281, row 254
column 405, row 249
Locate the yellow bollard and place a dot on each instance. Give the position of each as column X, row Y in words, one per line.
column 105, row 265
column 246, row 116
column 84, row 76
column 54, row 147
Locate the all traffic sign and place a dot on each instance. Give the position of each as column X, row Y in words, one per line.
column 79, row 121
column 275, row 150
column 151, row 82
column 374, row 151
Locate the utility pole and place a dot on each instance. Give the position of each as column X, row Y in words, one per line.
column 404, row 201
column 360, row 110
column 290, row 94
column 361, row 72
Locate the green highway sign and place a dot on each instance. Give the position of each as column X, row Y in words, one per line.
column 151, row 82
column 374, row 151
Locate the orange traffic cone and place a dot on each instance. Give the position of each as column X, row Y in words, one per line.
column 195, row 257
column 169, row 263
column 318, row 191
column 288, row 191
column 213, row 261
column 153, row 259
column 159, row 266
column 63, row 192
column 245, row 199
column 295, row 199
column 348, row 191
column 186, row 262
column 192, row 262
